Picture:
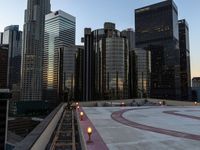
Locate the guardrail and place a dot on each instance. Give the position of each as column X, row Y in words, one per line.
column 40, row 136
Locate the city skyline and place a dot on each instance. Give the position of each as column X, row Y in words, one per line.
column 85, row 74
column 123, row 18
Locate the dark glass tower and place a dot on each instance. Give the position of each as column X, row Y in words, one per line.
column 88, row 66
column 143, row 70
column 4, row 66
column 129, row 34
column 78, row 94
column 105, row 60
column 184, row 60
column 1, row 37
column 13, row 37
column 157, row 31
column 33, row 48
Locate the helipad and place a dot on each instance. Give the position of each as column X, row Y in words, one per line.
column 147, row 128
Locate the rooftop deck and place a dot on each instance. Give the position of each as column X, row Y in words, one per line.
column 117, row 125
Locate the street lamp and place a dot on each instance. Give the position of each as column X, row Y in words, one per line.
column 81, row 115
column 89, row 131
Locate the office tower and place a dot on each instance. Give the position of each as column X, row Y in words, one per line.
column 105, row 64
column 3, row 118
column 1, row 37
column 4, row 66
column 132, row 76
column 196, row 88
column 78, row 94
column 67, row 72
column 130, row 35
column 13, row 37
column 143, row 71
column 88, row 66
column 196, row 82
column 59, row 33
column 33, row 48
column 157, row 31
column 184, row 60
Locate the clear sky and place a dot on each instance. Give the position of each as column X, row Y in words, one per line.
column 93, row 13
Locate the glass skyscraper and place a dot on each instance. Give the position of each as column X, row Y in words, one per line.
column 132, row 74
column 1, row 37
column 79, row 73
column 33, row 48
column 13, row 37
column 184, row 59
column 157, row 31
column 4, row 66
column 143, row 71
column 196, row 89
column 106, row 64
column 59, row 33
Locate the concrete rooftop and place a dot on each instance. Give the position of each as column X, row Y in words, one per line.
column 145, row 128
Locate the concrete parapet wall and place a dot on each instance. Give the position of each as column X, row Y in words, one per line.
column 40, row 136
column 173, row 102
column 129, row 101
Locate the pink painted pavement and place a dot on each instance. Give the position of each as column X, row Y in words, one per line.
column 97, row 141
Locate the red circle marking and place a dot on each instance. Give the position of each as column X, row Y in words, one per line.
column 118, row 116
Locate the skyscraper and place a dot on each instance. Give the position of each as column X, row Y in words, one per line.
column 88, row 66
column 33, row 48
column 13, row 37
column 143, row 70
column 4, row 66
column 1, row 37
column 184, row 60
column 79, row 73
column 105, row 63
column 196, row 88
column 129, row 34
column 67, row 72
column 157, row 31
column 59, row 33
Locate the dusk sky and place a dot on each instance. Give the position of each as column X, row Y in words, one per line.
column 93, row 13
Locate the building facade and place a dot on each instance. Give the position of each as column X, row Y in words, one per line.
column 1, row 37
column 157, row 31
column 78, row 94
column 68, row 74
column 132, row 74
column 33, row 48
column 59, row 33
column 184, row 60
column 4, row 66
column 143, row 71
column 196, row 89
column 13, row 37
column 88, row 66
column 105, row 63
